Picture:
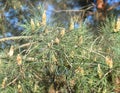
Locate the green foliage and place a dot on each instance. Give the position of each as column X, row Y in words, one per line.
column 74, row 64
column 68, row 62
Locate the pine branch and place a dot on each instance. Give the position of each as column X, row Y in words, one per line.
column 81, row 10
column 15, row 38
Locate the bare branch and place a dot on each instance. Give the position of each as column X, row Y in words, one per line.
column 81, row 10
column 113, row 6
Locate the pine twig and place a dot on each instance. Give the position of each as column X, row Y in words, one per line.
column 81, row 10
column 15, row 38
column 26, row 45
column 14, row 80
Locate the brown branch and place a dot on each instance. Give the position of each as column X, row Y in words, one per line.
column 74, row 10
column 68, row 10
column 114, row 6
column 15, row 38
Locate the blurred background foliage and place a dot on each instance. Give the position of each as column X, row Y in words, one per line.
column 58, row 46
column 15, row 12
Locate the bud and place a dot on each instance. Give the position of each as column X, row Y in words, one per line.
column 51, row 89
column 19, row 88
column 80, row 70
column 11, row 51
column 90, row 81
column 95, row 58
column 62, row 32
column 99, row 71
column 36, row 87
column 52, row 68
column 117, row 84
column 104, row 91
column 99, row 49
column 38, row 24
column 4, row 82
column 44, row 18
column 19, row 59
column 54, row 58
column 109, row 61
column 72, row 54
column 49, row 45
column 57, row 41
column 72, row 83
column 32, row 24
column 46, row 31
column 71, row 26
column 80, row 40
column 117, row 25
